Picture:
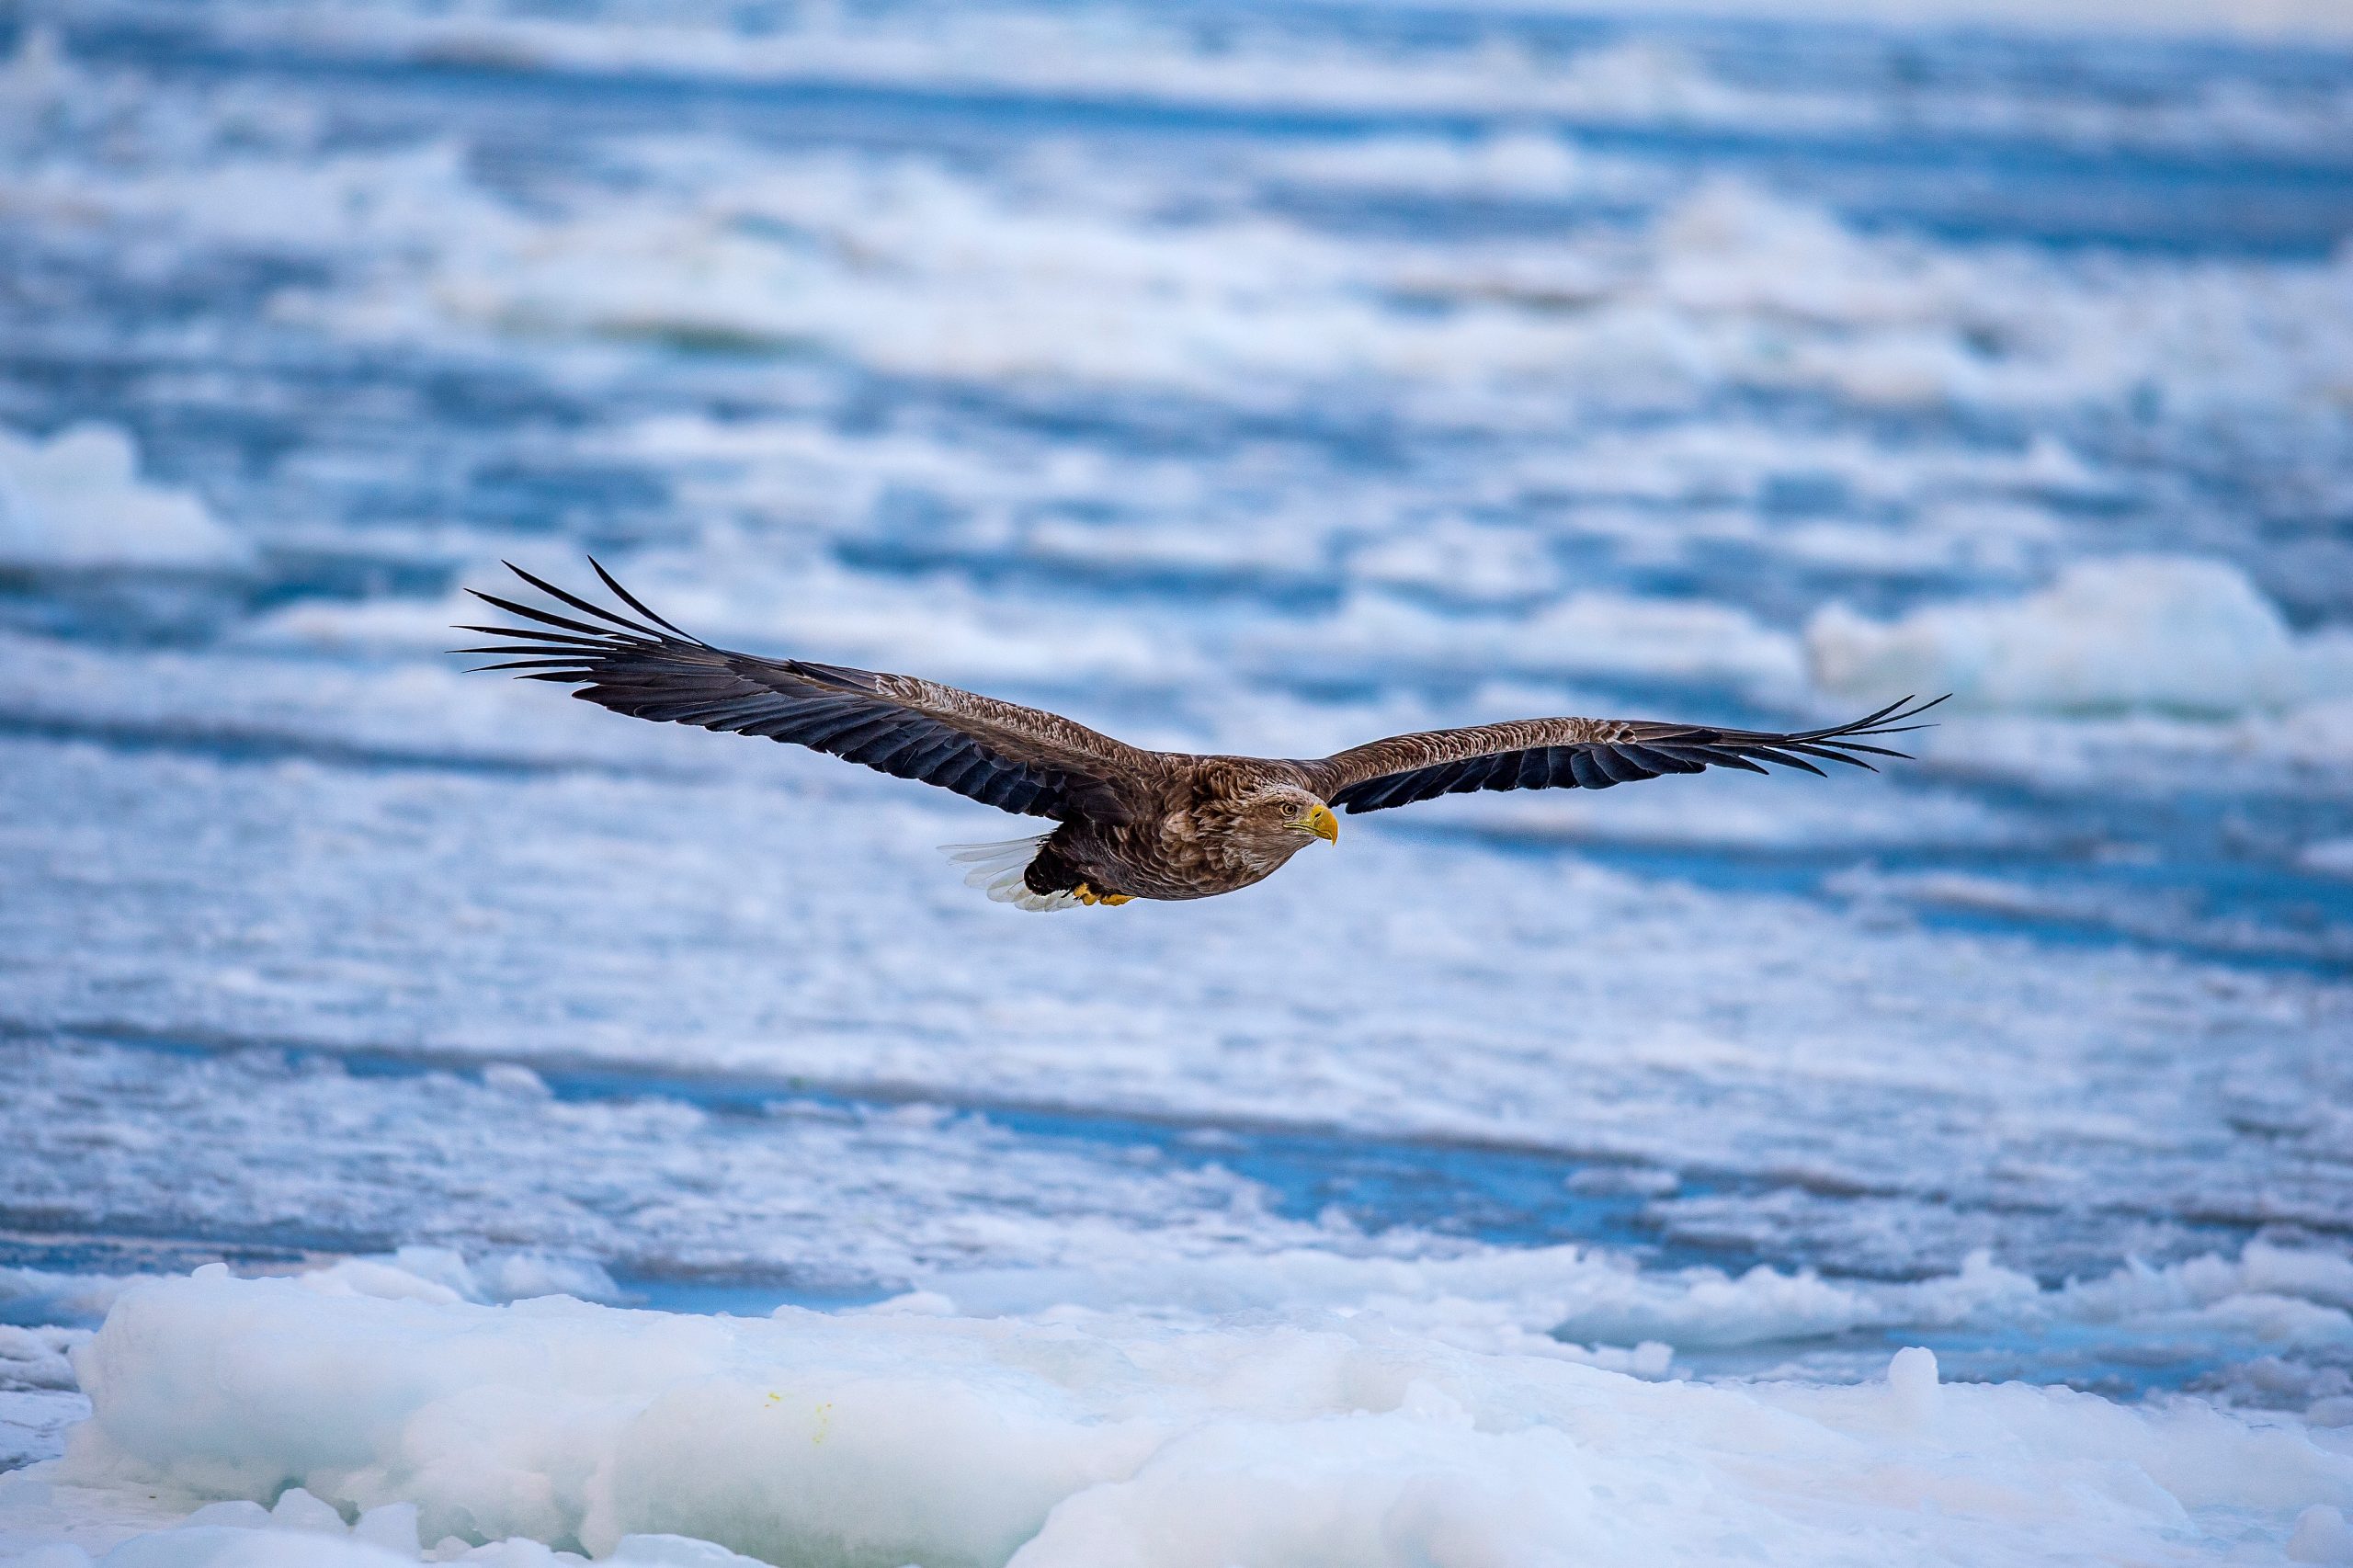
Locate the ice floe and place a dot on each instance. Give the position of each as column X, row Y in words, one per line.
column 76, row 501
column 2164, row 633
column 911, row 1436
column 34, row 1357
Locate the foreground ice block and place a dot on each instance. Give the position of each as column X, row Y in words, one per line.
column 1094, row 1441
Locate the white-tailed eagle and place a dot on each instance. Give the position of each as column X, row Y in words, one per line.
column 1134, row 824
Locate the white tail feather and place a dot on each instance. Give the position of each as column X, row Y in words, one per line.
column 998, row 870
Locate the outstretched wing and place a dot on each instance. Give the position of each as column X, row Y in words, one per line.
column 1582, row 753
column 1021, row 759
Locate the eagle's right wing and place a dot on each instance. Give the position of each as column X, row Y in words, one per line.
column 1020, row 759
column 1580, row 753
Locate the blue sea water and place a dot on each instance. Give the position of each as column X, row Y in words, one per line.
column 1259, row 379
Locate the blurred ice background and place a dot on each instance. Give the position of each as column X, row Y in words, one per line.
column 1259, row 377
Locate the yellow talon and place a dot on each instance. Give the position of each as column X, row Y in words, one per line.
column 1084, row 893
column 1116, row 898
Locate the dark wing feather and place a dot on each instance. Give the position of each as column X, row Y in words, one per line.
column 1021, row 759
column 1588, row 754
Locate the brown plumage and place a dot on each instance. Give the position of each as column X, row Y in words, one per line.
column 1134, row 824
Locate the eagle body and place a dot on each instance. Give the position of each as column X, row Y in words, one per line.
column 1195, row 826
column 1133, row 824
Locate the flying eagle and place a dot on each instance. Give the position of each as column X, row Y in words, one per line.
column 1134, row 824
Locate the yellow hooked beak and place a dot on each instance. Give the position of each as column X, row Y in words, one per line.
column 1320, row 821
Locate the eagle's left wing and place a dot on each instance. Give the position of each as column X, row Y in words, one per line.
column 1020, row 759
column 1580, row 753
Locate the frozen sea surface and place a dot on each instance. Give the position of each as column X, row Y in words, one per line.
column 1255, row 379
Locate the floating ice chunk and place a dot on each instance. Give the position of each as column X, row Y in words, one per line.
column 920, row 1304
column 1461, row 562
column 520, row 1276
column 1912, row 1383
column 1580, row 634
column 2314, row 1276
column 38, row 1296
column 77, row 502
column 298, row 1510
column 384, row 1282
column 439, row 1274
column 2165, row 632
column 34, row 1357
column 392, row 1526
column 2322, row 1535
column 2304, row 747
column 378, row 627
column 1571, row 1304
column 514, row 1078
column 1731, row 247
column 1718, row 808
column 885, row 1437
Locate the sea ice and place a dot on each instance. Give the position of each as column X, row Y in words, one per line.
column 76, row 501
column 1095, row 1442
column 2172, row 634
column 1262, row 383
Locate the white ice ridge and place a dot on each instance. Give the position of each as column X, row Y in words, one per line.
column 2174, row 633
column 1098, row 1441
column 301, row 1532
column 76, row 501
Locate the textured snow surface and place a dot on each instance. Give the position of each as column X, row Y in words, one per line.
column 898, row 1437
column 1947, row 1164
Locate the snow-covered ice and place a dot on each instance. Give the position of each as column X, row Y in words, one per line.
column 439, row 1120
column 899, row 1436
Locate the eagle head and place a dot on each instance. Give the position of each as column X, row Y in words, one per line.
column 1283, row 818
